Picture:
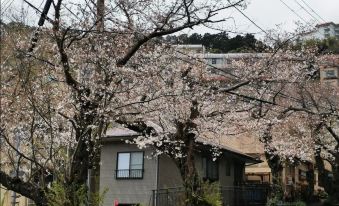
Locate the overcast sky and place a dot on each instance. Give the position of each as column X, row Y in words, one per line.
column 268, row 14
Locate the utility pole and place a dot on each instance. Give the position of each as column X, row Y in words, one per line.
column 100, row 15
column 16, row 172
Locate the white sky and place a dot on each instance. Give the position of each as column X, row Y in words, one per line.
column 268, row 14
column 273, row 14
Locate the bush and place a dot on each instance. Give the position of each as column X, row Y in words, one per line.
column 273, row 201
column 211, row 194
column 57, row 196
column 321, row 194
column 300, row 203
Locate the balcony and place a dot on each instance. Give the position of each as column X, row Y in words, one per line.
column 129, row 174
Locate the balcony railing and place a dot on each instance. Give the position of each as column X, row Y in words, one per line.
column 129, row 174
column 244, row 195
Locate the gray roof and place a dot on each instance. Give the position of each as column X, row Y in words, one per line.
column 121, row 133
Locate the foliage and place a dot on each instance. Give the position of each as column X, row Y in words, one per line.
column 221, row 42
column 57, row 196
column 276, row 202
column 273, row 201
column 321, row 194
column 97, row 198
column 329, row 45
column 299, row 203
column 211, row 193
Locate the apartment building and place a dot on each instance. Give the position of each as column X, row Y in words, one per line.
column 322, row 31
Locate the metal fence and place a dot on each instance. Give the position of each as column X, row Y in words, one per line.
column 245, row 195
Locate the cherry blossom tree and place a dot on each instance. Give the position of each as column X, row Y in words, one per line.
column 79, row 72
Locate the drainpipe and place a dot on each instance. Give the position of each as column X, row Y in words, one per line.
column 156, row 182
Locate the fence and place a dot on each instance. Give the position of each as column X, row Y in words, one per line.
column 245, row 195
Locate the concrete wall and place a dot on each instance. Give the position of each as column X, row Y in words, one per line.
column 127, row 191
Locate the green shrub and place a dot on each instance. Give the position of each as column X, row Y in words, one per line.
column 211, row 193
column 300, row 203
column 321, row 194
column 57, row 196
column 273, row 201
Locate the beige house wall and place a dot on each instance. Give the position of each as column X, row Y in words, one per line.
column 126, row 190
column 131, row 191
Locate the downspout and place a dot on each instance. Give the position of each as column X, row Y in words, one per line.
column 156, row 182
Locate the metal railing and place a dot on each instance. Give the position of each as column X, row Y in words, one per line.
column 169, row 197
column 244, row 195
column 129, row 174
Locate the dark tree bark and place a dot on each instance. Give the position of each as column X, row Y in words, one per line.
column 33, row 192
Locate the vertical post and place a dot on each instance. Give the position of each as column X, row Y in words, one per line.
column 100, row 15
column 167, row 197
column 17, row 141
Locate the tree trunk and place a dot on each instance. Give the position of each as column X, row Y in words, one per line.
column 191, row 181
column 276, row 167
column 310, row 186
column 335, row 171
column 27, row 189
column 323, row 174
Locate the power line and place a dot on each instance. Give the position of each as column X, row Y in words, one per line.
column 277, row 93
column 294, row 12
column 307, row 11
column 313, row 10
column 255, row 24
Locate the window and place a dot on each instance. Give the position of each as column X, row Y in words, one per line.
column 302, row 175
column 210, row 169
column 130, row 165
column 228, row 168
column 330, row 73
column 214, row 61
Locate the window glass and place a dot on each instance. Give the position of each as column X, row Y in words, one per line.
column 228, row 168
column 136, row 164
column 123, row 165
column 329, row 73
column 204, row 175
column 136, row 160
column 130, row 165
column 210, row 169
column 123, row 161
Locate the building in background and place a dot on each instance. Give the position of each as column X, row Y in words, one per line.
column 322, row 31
column 329, row 70
column 135, row 176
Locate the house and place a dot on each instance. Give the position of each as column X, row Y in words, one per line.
column 329, row 70
column 135, row 176
column 322, row 31
column 293, row 177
